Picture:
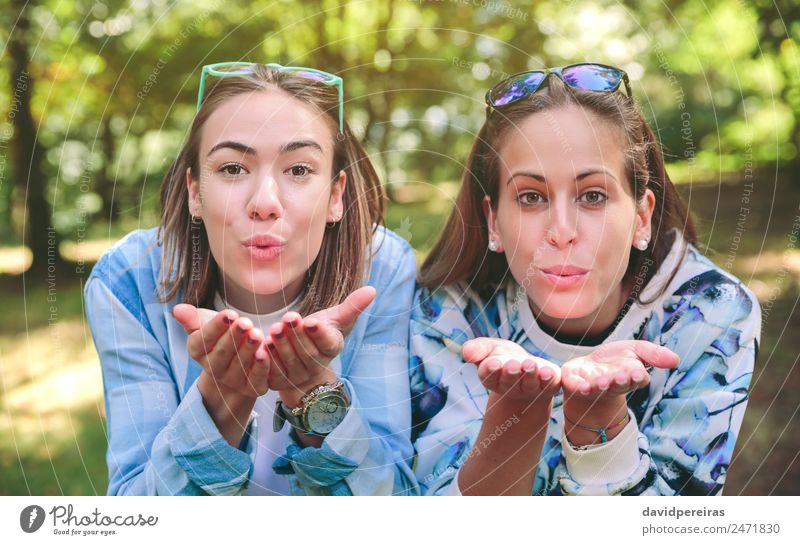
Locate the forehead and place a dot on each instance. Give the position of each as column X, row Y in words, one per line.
column 562, row 141
column 266, row 120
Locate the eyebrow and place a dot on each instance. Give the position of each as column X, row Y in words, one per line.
column 237, row 146
column 578, row 178
column 285, row 148
column 298, row 144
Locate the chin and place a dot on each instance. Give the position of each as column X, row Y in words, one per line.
column 565, row 308
column 266, row 283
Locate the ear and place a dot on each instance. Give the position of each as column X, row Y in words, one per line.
column 491, row 222
column 195, row 202
column 336, row 202
column 644, row 216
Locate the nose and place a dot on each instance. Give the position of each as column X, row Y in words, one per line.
column 562, row 229
column 265, row 202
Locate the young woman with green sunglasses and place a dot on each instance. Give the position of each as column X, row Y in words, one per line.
column 256, row 340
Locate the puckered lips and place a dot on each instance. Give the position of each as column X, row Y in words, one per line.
column 264, row 247
column 564, row 276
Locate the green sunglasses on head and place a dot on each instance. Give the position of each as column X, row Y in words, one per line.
column 225, row 69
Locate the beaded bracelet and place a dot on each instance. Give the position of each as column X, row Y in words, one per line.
column 601, row 431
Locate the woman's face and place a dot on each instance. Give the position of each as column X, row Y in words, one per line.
column 566, row 217
column 265, row 193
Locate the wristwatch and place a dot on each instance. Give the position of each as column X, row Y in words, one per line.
column 320, row 410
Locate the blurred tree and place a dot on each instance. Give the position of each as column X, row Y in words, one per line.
column 116, row 83
column 28, row 154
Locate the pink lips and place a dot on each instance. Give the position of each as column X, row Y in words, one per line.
column 264, row 247
column 564, row 276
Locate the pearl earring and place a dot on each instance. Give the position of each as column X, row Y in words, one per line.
column 642, row 244
column 492, row 245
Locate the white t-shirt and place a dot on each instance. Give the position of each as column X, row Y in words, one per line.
column 271, row 445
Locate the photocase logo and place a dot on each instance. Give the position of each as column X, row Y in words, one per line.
column 31, row 518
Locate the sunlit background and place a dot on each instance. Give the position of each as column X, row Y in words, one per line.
column 96, row 98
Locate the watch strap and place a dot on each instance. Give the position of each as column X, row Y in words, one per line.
column 282, row 415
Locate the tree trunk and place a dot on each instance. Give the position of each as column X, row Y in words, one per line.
column 28, row 155
column 106, row 183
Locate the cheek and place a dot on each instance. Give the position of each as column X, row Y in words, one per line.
column 222, row 205
column 522, row 235
column 306, row 206
column 222, row 202
column 610, row 236
column 508, row 223
column 306, row 214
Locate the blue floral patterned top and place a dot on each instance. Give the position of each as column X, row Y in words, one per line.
column 683, row 429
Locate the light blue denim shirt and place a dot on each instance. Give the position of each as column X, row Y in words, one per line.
column 161, row 439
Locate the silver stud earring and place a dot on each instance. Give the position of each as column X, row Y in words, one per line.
column 492, row 245
column 642, row 244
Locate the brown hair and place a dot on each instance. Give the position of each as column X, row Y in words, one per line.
column 187, row 266
column 460, row 253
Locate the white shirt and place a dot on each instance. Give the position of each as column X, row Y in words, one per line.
column 270, row 445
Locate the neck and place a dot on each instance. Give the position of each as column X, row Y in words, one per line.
column 254, row 303
column 591, row 325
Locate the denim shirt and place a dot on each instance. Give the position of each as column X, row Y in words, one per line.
column 161, row 439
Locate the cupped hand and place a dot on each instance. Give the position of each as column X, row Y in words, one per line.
column 296, row 350
column 507, row 369
column 614, row 369
column 228, row 348
column 302, row 348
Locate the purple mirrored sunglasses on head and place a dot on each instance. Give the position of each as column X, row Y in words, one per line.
column 586, row 76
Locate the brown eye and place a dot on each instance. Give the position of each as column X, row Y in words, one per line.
column 594, row 197
column 232, row 169
column 530, row 198
column 299, row 171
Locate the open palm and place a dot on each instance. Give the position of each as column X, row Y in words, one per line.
column 615, row 368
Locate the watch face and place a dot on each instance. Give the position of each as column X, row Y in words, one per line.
column 326, row 413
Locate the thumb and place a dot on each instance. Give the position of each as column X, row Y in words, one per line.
column 655, row 355
column 344, row 315
column 191, row 317
column 476, row 350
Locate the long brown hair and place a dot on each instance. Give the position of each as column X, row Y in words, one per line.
column 187, row 266
column 460, row 253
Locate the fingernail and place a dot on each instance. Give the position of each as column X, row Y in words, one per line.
column 312, row 328
column 494, row 366
column 241, row 329
column 251, row 341
column 618, row 381
column 294, row 323
column 278, row 335
column 227, row 319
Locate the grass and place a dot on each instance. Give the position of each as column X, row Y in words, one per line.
column 52, row 434
column 52, row 438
